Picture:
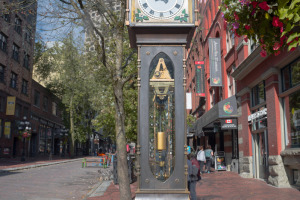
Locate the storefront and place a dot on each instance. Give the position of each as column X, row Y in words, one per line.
column 290, row 98
column 218, row 128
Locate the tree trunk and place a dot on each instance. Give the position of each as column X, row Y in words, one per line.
column 123, row 179
column 72, row 128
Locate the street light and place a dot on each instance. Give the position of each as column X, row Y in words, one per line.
column 25, row 129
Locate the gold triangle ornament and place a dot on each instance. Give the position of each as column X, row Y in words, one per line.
column 161, row 71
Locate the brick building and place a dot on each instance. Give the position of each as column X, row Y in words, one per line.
column 17, row 31
column 266, row 143
column 46, row 121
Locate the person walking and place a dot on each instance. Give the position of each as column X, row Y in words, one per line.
column 208, row 156
column 192, row 176
column 201, row 158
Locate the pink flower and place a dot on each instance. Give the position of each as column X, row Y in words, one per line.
column 281, row 29
column 247, row 27
column 263, row 52
column 236, row 34
column 264, row 6
column 246, row 39
column 277, row 53
column 235, row 25
column 293, row 49
column 254, row 4
column 276, row 22
column 276, row 46
column 236, row 17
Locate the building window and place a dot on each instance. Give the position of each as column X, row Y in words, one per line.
column 16, row 51
column 6, row 17
column 28, row 35
column 2, row 103
column 54, row 108
column 2, row 73
column 252, row 45
column 18, row 110
column 229, row 39
column 18, row 24
column 45, row 104
column 291, row 75
column 292, row 120
column 24, row 86
column 13, row 80
column 3, row 42
column 36, row 98
column 26, row 60
column 26, row 112
column 258, row 94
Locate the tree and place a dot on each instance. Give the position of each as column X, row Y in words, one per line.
column 112, row 50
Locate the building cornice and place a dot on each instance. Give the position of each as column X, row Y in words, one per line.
column 243, row 91
column 249, row 64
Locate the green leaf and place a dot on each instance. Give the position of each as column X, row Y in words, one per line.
column 146, row 18
column 186, row 15
column 183, row 12
column 297, row 18
column 137, row 15
column 283, row 13
column 293, row 3
column 292, row 37
column 293, row 44
column 138, row 10
column 184, row 19
column 177, row 18
column 282, row 3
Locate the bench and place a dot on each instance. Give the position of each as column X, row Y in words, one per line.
column 102, row 161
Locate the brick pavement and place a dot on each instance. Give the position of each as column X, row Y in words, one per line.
column 213, row 186
column 223, row 185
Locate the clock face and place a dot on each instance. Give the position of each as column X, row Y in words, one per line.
column 161, row 8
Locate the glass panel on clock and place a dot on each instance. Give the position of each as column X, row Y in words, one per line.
column 161, row 117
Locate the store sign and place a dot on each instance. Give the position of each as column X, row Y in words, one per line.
column 200, row 82
column 7, row 126
column 257, row 114
column 228, row 107
column 11, row 105
column 229, row 124
column 215, row 62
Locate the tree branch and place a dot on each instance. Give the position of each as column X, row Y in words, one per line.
column 128, row 58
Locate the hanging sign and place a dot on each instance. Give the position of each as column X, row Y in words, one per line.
column 11, row 105
column 200, row 83
column 189, row 100
column 215, row 62
column 228, row 124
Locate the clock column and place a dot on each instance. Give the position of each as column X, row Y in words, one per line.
column 161, row 30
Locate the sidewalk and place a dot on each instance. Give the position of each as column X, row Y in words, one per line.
column 216, row 185
column 220, row 185
column 12, row 164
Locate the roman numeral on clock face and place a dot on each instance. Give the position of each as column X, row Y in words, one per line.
column 151, row 12
column 161, row 14
column 177, row 6
column 145, row 5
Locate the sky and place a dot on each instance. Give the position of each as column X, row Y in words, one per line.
column 54, row 29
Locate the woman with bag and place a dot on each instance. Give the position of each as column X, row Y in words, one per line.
column 208, row 156
column 201, row 158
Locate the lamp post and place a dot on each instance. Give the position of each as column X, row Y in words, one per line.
column 64, row 132
column 25, row 128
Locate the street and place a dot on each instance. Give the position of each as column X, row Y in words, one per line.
column 55, row 182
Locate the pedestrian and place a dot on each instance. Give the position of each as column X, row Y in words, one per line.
column 201, row 158
column 192, row 177
column 208, row 156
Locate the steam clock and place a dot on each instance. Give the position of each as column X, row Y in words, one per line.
column 161, row 31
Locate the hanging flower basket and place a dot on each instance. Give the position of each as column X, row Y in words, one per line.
column 273, row 24
column 26, row 134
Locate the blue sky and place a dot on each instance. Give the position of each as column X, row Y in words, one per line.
column 48, row 29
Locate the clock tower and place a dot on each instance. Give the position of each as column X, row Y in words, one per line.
column 161, row 30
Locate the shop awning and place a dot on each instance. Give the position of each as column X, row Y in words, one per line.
column 224, row 109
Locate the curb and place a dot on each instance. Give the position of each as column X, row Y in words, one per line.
column 38, row 165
